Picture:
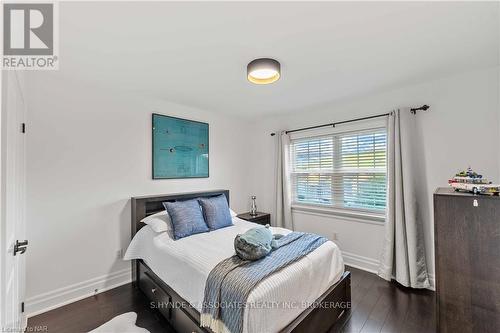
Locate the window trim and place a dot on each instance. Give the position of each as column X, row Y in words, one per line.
column 354, row 215
column 361, row 215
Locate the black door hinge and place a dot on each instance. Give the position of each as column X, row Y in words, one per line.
column 20, row 246
column 23, row 128
column 22, row 307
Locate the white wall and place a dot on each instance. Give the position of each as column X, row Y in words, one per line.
column 460, row 129
column 88, row 152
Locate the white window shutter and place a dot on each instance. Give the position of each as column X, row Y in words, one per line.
column 346, row 171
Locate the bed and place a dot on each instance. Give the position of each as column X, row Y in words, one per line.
column 309, row 295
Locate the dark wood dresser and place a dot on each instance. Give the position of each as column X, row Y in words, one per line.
column 467, row 250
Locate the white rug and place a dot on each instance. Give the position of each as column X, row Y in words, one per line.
column 124, row 323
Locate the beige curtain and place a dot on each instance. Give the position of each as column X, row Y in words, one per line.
column 403, row 256
column 283, row 208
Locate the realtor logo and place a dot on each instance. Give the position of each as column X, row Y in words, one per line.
column 29, row 36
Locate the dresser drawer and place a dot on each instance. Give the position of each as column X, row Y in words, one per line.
column 262, row 220
column 159, row 298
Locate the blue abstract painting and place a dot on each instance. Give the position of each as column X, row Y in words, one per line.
column 180, row 148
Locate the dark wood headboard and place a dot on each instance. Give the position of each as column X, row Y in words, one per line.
column 151, row 204
column 146, row 205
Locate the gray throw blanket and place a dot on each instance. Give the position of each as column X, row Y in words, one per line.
column 231, row 281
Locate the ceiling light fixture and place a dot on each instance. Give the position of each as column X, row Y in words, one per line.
column 263, row 71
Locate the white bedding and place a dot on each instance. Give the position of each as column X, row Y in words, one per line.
column 184, row 265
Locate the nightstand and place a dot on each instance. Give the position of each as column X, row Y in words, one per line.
column 260, row 218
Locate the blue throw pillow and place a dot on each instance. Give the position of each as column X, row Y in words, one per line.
column 216, row 212
column 187, row 218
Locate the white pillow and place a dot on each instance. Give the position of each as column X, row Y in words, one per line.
column 159, row 222
column 233, row 214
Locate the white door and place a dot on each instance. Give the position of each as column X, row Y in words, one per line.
column 12, row 195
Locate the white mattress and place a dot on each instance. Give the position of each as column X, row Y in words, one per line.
column 184, row 265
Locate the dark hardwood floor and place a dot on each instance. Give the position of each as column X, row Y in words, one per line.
column 377, row 306
column 91, row 312
column 380, row 306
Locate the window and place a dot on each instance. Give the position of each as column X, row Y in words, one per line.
column 346, row 170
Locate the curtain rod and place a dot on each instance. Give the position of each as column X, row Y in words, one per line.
column 413, row 111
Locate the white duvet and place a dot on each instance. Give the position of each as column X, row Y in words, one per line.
column 184, row 265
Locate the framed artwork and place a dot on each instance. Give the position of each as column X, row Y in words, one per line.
column 180, row 148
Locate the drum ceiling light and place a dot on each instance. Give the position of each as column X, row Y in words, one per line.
column 263, row 71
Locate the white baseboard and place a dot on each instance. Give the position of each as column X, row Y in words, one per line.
column 371, row 265
column 363, row 263
column 69, row 294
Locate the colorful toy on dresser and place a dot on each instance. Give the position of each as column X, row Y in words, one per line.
column 470, row 181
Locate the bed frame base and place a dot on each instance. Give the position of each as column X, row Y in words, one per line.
column 183, row 318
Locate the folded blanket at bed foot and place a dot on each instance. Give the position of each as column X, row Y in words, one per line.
column 230, row 282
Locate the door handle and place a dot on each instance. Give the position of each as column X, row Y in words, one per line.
column 20, row 246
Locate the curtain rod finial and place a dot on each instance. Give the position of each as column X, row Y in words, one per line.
column 273, row 134
column 424, row 107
